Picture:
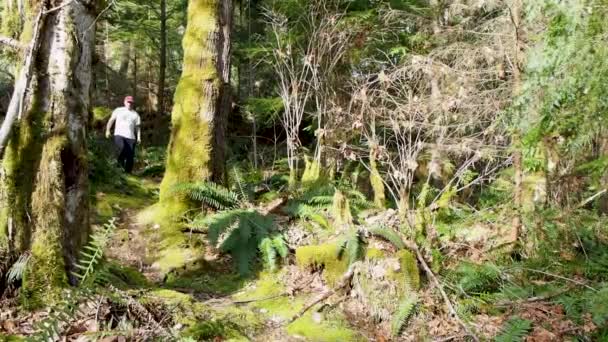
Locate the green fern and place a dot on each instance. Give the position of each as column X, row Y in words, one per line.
column 17, row 270
column 88, row 267
column 352, row 246
column 404, row 312
column 242, row 232
column 478, row 278
column 388, row 235
column 92, row 254
column 210, row 194
column 514, row 330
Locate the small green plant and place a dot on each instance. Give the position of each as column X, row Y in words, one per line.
column 88, row 267
column 352, row 246
column 241, row 232
column 209, row 194
column 17, row 270
column 514, row 330
column 404, row 312
column 389, row 235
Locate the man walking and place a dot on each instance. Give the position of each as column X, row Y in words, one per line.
column 127, row 133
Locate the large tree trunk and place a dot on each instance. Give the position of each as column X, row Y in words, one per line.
column 45, row 180
column 196, row 150
column 163, row 58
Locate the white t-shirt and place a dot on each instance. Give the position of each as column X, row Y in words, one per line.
column 126, row 122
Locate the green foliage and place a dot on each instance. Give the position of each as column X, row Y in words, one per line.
column 565, row 84
column 241, row 232
column 407, row 308
column 210, row 194
column 478, row 278
column 514, row 330
column 92, row 254
column 17, row 270
column 69, row 306
column 271, row 247
column 389, row 235
column 352, row 246
column 319, row 199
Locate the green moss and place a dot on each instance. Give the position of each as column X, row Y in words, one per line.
column 101, row 114
column 185, row 309
column 46, row 271
column 205, row 279
column 409, row 274
column 189, row 153
column 176, row 257
column 334, row 329
column 376, row 181
column 126, row 277
column 374, row 253
column 312, row 172
column 341, row 210
column 326, row 255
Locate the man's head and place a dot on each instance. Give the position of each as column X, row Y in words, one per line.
column 129, row 102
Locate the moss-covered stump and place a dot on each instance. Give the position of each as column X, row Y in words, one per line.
column 382, row 283
column 326, row 257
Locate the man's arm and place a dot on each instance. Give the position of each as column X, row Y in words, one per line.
column 138, row 128
column 110, row 123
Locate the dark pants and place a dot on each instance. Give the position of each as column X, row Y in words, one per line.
column 125, row 149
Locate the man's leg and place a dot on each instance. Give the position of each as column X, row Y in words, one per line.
column 130, row 154
column 119, row 142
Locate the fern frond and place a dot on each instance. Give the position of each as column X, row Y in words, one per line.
column 18, row 268
column 92, row 254
column 236, row 173
column 514, row 330
column 269, row 253
column 388, row 235
column 209, row 194
column 242, row 232
column 404, row 312
column 352, row 246
column 278, row 242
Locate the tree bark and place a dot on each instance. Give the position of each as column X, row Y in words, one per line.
column 516, row 143
column 197, row 147
column 45, row 177
column 163, row 58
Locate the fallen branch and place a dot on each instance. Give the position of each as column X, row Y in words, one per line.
column 532, row 299
column 413, row 247
column 13, row 43
column 344, row 281
column 560, row 277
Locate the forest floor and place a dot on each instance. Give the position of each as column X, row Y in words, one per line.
column 201, row 285
column 188, row 291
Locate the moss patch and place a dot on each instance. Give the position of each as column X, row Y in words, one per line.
column 374, row 253
column 267, row 286
column 334, row 329
column 408, row 275
column 326, row 256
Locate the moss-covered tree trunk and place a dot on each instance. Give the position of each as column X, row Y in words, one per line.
column 44, row 172
column 201, row 104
